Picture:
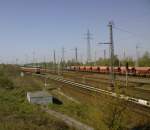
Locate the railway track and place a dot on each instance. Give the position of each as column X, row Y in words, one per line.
column 121, row 78
column 137, row 90
column 104, row 76
column 138, row 101
column 131, row 79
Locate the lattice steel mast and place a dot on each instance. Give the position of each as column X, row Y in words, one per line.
column 88, row 37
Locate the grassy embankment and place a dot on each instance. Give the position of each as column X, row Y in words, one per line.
column 15, row 112
column 101, row 112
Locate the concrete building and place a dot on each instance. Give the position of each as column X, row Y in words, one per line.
column 39, row 97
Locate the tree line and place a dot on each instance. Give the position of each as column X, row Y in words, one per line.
column 143, row 61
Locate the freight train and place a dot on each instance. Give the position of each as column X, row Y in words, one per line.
column 134, row 71
column 31, row 69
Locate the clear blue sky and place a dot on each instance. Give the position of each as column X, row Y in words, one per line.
column 39, row 26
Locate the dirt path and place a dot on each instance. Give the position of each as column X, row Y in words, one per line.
column 68, row 120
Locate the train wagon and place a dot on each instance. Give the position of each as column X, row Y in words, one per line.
column 68, row 68
column 117, row 70
column 72, row 68
column 77, row 68
column 95, row 69
column 135, row 71
column 132, row 70
column 104, row 69
column 129, row 70
column 82, row 68
column 123, row 70
column 88, row 68
column 142, row 71
column 31, row 69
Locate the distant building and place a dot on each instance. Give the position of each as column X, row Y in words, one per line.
column 39, row 97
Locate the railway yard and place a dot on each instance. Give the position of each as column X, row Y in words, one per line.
column 137, row 86
column 94, row 89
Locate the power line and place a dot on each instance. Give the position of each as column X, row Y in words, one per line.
column 123, row 30
column 129, row 32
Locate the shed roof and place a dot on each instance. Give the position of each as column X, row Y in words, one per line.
column 38, row 94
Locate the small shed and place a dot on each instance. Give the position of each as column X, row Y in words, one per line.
column 39, row 97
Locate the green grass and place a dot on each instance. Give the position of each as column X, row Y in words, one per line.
column 83, row 112
column 99, row 111
column 92, row 115
column 15, row 112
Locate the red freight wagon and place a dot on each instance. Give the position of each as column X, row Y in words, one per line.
column 95, row 69
column 82, row 68
column 88, row 68
column 123, row 70
column 142, row 70
column 117, row 70
column 131, row 70
column 104, row 69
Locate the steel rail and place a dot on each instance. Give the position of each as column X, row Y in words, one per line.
column 138, row 101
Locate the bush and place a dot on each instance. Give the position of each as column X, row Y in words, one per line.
column 6, row 83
